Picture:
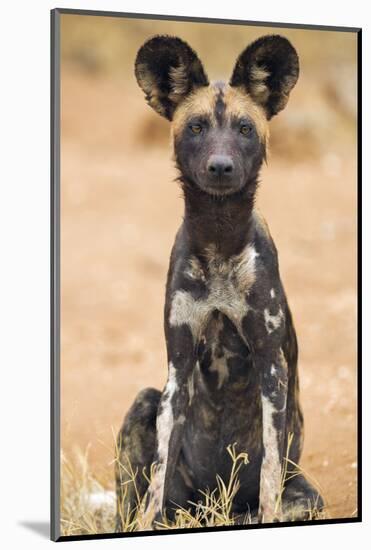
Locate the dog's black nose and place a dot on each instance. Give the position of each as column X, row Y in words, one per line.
column 220, row 166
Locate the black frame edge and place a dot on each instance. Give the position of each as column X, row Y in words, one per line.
column 55, row 275
column 209, row 529
column 194, row 19
column 359, row 272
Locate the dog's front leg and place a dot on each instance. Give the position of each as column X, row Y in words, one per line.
column 171, row 416
column 273, row 370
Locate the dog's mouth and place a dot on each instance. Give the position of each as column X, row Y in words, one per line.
column 220, row 188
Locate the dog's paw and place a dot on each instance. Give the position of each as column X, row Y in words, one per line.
column 269, row 515
column 157, row 522
column 151, row 521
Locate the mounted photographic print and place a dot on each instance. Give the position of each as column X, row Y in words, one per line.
column 204, row 274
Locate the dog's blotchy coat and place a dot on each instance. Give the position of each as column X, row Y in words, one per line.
column 231, row 343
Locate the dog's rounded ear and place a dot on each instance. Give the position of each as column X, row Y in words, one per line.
column 167, row 70
column 268, row 70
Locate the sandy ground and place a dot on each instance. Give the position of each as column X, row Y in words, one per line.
column 120, row 211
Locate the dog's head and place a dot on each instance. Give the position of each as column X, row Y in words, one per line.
column 220, row 130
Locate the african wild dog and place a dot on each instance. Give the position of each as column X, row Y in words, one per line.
column 231, row 343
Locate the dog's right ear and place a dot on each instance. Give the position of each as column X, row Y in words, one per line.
column 167, row 70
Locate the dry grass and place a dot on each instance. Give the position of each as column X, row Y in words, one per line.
column 88, row 505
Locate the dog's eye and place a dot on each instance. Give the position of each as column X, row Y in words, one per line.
column 245, row 129
column 196, row 128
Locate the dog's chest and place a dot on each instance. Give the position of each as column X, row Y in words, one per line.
column 224, row 402
column 223, row 358
column 225, row 284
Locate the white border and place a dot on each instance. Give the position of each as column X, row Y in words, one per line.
column 24, row 304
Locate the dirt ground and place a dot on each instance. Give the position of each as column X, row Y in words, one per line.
column 120, row 211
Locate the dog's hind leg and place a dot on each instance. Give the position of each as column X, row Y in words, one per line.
column 136, row 444
column 300, row 500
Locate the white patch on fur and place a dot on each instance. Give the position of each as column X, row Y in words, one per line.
column 165, row 419
column 270, row 475
column 273, row 322
column 185, row 310
column 228, row 284
column 273, row 294
column 194, row 269
column 191, row 387
column 219, row 365
column 164, row 426
column 154, row 497
column 273, row 370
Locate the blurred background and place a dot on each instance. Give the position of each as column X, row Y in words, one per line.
column 120, row 209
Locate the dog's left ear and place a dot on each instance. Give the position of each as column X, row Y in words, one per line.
column 268, row 70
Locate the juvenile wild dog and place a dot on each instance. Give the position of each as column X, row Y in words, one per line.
column 231, row 343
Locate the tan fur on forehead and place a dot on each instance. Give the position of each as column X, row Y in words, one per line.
column 239, row 104
column 201, row 102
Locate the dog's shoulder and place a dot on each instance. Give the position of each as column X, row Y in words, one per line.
column 180, row 253
column 264, row 244
column 268, row 292
column 185, row 271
